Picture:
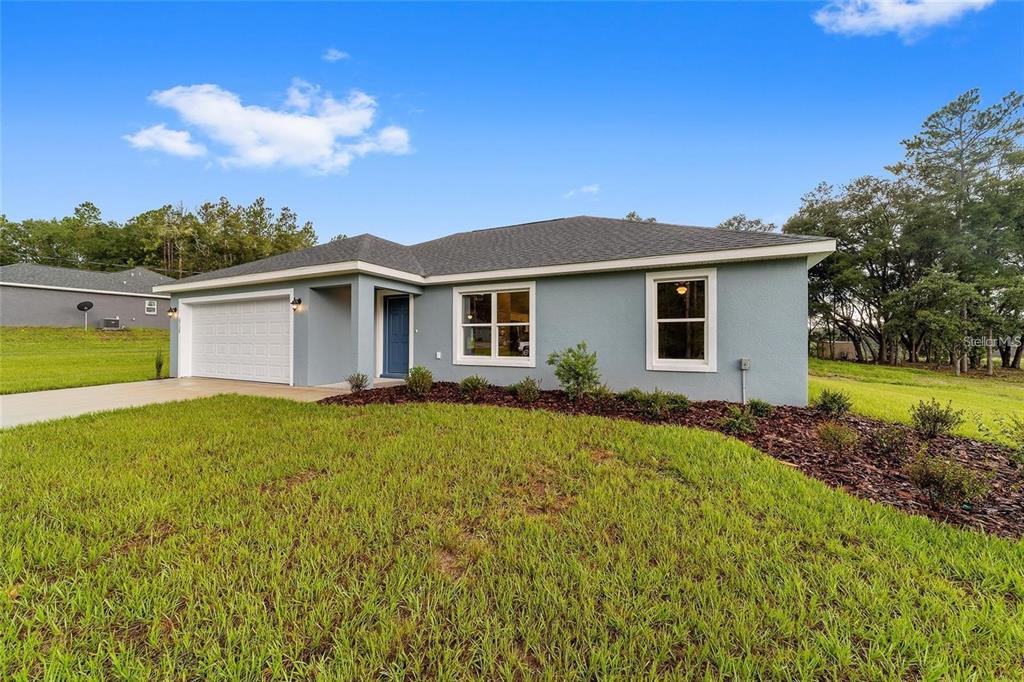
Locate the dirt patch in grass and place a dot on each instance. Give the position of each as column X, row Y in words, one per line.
column 789, row 435
column 146, row 538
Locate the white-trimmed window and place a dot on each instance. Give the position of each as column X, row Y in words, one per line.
column 681, row 321
column 150, row 307
column 494, row 325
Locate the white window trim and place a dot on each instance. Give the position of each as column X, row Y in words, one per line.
column 495, row 361
column 151, row 303
column 710, row 361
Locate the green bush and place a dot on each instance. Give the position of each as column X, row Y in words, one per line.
column 358, row 382
column 526, row 391
column 473, row 385
column 657, row 404
column 602, row 394
column 419, row 382
column 836, row 438
column 1011, row 430
column 739, row 421
column 760, row 408
column 158, row 362
column 930, row 418
column 891, row 441
column 832, row 403
column 576, row 370
column 946, row 482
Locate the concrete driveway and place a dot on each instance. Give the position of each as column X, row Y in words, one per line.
column 26, row 408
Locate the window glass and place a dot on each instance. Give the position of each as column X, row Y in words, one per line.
column 476, row 308
column 476, row 341
column 513, row 306
column 514, row 340
column 151, row 307
column 681, row 299
column 681, row 340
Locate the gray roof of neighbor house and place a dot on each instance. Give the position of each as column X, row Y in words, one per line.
column 134, row 281
column 562, row 241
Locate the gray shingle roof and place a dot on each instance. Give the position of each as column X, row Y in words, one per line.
column 135, row 281
column 562, row 241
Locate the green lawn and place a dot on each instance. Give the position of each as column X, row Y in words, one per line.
column 889, row 392
column 441, row 541
column 38, row 358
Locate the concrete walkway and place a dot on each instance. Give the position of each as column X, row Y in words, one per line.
column 26, row 408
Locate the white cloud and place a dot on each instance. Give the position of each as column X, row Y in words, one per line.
column 313, row 130
column 585, row 189
column 333, row 54
column 162, row 138
column 907, row 18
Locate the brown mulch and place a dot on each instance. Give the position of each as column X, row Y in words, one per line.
column 790, row 435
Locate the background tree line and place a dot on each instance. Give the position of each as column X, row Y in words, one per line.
column 172, row 240
column 932, row 254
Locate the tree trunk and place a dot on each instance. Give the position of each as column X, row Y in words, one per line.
column 1015, row 363
column 988, row 354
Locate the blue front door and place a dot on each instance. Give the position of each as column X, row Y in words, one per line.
column 396, row 336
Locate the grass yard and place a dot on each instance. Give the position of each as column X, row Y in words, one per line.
column 39, row 358
column 442, row 541
column 889, row 392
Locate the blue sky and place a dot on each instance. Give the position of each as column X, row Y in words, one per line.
column 434, row 118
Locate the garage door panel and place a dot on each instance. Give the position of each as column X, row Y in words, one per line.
column 247, row 340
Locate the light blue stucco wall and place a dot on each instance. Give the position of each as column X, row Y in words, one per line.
column 762, row 315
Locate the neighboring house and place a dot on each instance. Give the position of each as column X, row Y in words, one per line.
column 664, row 306
column 44, row 296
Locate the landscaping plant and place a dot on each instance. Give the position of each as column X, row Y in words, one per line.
column 473, row 385
column 419, row 382
column 832, row 403
column 656, row 404
column 739, row 421
column 527, row 390
column 836, row 438
column 1009, row 429
column 576, row 370
column 930, row 418
column 358, row 382
column 159, row 364
column 760, row 408
column 891, row 442
column 946, row 482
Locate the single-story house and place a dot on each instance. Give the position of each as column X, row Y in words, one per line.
column 34, row 295
column 664, row 306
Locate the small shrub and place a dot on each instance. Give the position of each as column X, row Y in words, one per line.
column 837, row 438
column 657, row 404
column 739, row 421
column 832, row 403
column 760, row 408
column 473, row 385
column 930, row 418
column 526, row 391
column 158, row 363
column 419, row 382
column 358, row 382
column 602, row 394
column 890, row 442
column 946, row 482
column 1010, row 430
column 576, row 369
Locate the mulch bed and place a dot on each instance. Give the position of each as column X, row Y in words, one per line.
column 790, row 435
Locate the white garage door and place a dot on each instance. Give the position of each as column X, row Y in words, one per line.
column 248, row 339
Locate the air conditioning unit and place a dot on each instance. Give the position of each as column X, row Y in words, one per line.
column 111, row 324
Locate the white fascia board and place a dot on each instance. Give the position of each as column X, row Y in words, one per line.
column 84, row 291
column 814, row 252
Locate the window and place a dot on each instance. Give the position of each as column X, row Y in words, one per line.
column 681, row 320
column 494, row 325
column 150, row 307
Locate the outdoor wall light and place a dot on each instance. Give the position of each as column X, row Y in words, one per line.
column 172, row 312
column 296, row 302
